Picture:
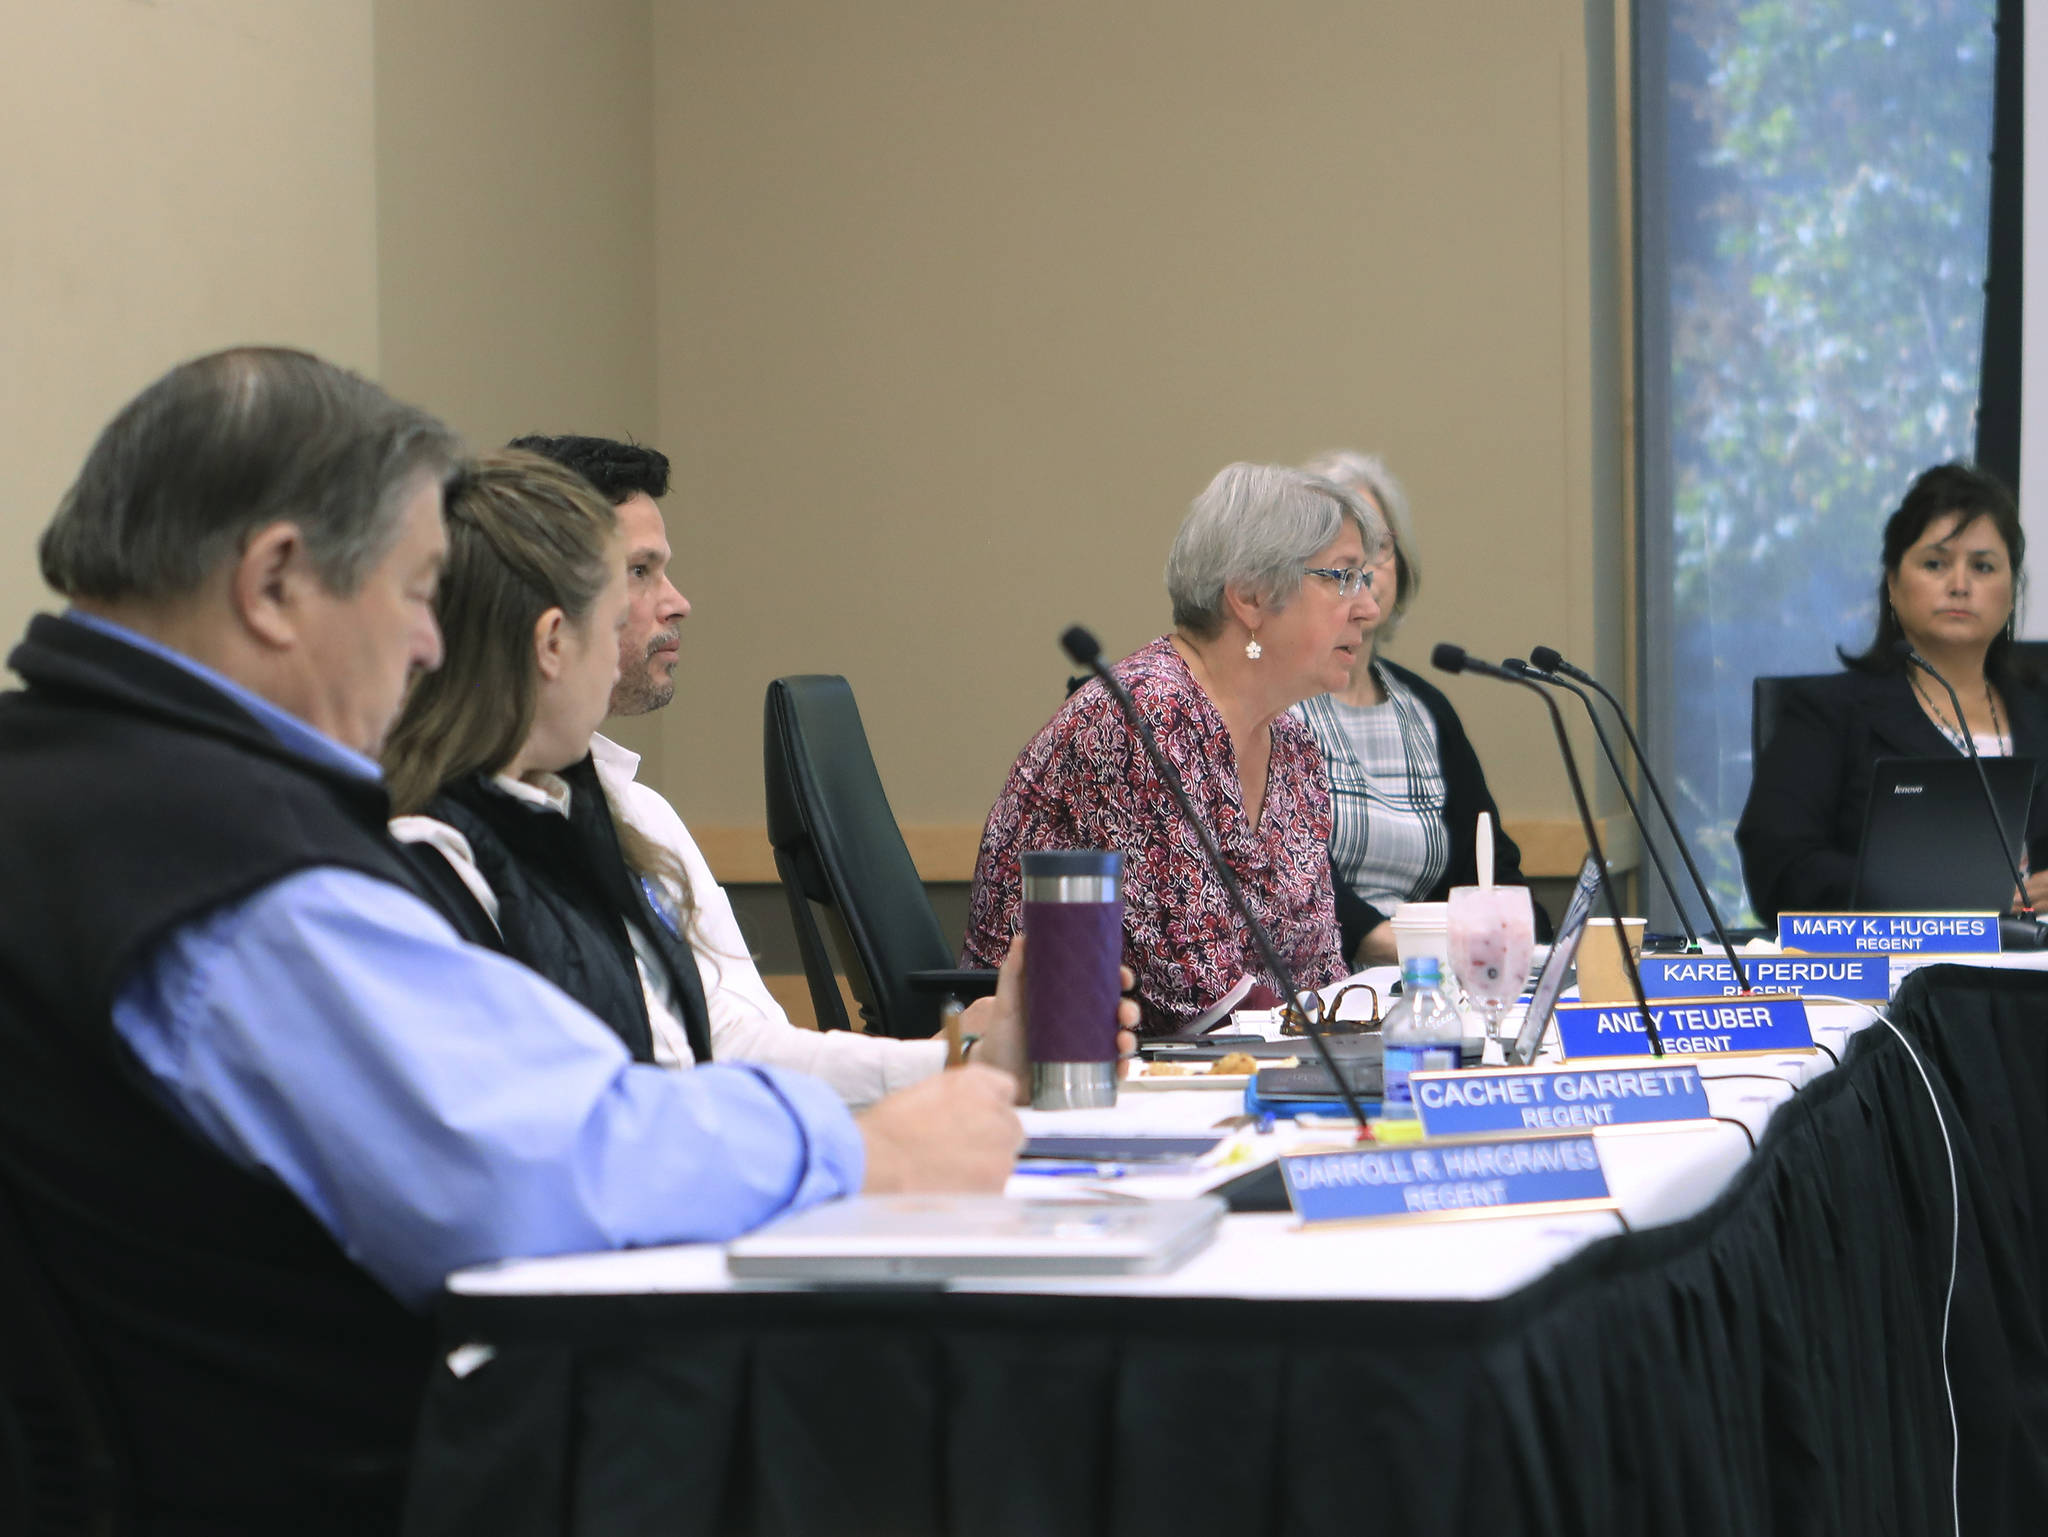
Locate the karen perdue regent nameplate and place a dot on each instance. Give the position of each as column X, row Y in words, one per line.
column 1864, row 978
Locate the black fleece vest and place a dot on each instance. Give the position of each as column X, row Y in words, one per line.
column 565, row 895
column 262, row 1380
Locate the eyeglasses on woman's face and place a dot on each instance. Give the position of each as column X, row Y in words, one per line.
column 1349, row 579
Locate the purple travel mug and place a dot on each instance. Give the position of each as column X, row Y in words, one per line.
column 1073, row 951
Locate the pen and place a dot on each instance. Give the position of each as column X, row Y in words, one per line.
column 949, row 1027
column 1073, row 1170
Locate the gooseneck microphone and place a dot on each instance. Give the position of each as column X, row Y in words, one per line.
column 2030, row 933
column 1449, row 658
column 1086, row 652
column 1547, row 659
column 1522, row 669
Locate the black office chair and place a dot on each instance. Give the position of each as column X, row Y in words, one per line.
column 842, row 857
column 1767, row 708
column 62, row 1473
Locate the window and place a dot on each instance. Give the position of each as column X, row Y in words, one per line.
column 1813, row 204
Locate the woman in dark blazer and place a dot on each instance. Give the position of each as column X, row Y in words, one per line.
column 1953, row 557
column 1406, row 787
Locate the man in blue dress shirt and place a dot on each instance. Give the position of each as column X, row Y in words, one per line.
column 257, row 1094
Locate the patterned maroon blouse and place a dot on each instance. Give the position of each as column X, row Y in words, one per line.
column 1085, row 783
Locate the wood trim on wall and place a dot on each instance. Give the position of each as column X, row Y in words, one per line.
column 1551, row 847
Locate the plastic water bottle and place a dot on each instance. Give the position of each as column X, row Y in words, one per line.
column 1423, row 1033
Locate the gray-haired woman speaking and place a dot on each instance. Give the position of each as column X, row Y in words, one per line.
column 1272, row 599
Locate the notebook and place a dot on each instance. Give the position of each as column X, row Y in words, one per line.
column 901, row 1239
column 1928, row 843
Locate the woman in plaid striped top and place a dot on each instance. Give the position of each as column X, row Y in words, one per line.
column 1406, row 786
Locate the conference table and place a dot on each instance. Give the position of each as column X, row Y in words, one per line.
column 1839, row 1329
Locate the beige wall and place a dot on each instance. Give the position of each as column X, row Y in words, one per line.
column 178, row 177
column 943, row 312
column 960, row 305
column 515, row 203
column 468, row 182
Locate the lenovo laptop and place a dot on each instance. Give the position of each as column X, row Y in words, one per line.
column 1928, row 840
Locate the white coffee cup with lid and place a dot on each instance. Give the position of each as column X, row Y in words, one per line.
column 1423, row 928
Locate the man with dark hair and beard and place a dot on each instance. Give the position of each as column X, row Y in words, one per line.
column 633, row 478
column 746, row 1021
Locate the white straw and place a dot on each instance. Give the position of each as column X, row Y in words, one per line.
column 1485, row 850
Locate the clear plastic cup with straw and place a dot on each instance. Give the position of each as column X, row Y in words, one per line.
column 1492, row 937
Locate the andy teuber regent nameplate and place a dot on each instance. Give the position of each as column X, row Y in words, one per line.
column 1750, row 1022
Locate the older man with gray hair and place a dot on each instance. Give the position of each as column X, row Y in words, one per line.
column 1269, row 580
column 257, row 1095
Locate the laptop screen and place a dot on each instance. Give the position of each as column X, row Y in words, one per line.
column 1564, row 950
column 1929, row 844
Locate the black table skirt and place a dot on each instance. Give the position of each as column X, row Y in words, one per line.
column 1771, row 1365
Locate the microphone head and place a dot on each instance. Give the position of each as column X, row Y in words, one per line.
column 1545, row 658
column 1904, row 648
column 1081, row 646
column 1516, row 665
column 1447, row 657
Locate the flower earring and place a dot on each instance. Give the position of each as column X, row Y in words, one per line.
column 1253, row 650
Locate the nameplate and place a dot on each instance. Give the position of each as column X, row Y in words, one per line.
column 1865, row 978
column 1890, row 933
column 1453, row 1179
column 1473, row 1103
column 1687, row 1027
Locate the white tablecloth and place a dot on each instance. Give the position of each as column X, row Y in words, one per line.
column 1656, row 1174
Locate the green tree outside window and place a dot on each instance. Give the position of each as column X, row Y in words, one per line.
column 1830, row 189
